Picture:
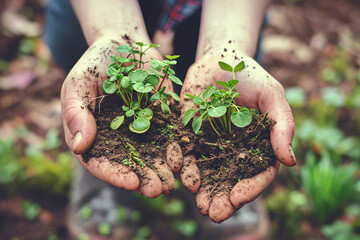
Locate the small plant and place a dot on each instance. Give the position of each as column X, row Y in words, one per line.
column 218, row 106
column 129, row 79
column 31, row 209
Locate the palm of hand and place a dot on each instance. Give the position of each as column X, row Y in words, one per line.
column 79, row 92
column 257, row 90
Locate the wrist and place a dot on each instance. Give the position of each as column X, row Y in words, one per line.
column 119, row 36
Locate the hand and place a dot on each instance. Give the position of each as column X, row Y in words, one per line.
column 78, row 94
column 259, row 90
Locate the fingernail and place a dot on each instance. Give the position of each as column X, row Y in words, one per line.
column 77, row 140
column 292, row 155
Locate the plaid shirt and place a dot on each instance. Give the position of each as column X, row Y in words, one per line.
column 176, row 11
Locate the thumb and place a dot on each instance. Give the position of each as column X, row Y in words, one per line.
column 274, row 102
column 79, row 123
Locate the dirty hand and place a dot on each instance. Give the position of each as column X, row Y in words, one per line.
column 258, row 90
column 78, row 95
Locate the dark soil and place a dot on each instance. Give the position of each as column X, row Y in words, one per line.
column 221, row 161
column 121, row 144
column 225, row 161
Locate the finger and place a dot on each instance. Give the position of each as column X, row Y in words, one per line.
column 150, row 186
column 203, row 199
column 221, row 208
column 194, row 84
column 282, row 132
column 248, row 189
column 190, row 174
column 117, row 175
column 174, row 156
column 165, row 174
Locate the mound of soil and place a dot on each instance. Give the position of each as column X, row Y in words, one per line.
column 222, row 161
column 225, row 161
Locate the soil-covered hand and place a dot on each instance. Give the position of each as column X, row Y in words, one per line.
column 78, row 101
column 258, row 90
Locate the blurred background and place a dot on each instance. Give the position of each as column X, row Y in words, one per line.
column 311, row 47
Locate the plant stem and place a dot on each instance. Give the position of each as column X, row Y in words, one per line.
column 122, row 95
column 147, row 98
column 162, row 81
column 212, row 125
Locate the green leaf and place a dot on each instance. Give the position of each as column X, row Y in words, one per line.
column 232, row 83
column 215, row 102
column 134, row 105
column 157, row 65
column 242, row 118
column 174, row 96
column 154, row 72
column 142, row 88
column 165, row 108
column 223, row 84
column 188, row 116
column 86, row 212
column 138, row 75
column 111, row 71
column 175, row 79
column 208, row 92
column 116, row 123
column 196, row 124
column 234, row 95
column 154, row 45
column 124, row 49
column 171, row 72
column 173, row 62
column 162, row 90
column 172, row 57
column 31, row 209
column 203, row 105
column 255, row 111
column 125, row 82
column 130, row 113
column 141, row 44
column 217, row 111
column 141, row 123
column 225, row 66
column 113, row 78
column 156, row 96
column 128, row 69
column 125, row 108
column 104, row 229
column 190, row 95
column 239, row 67
column 153, row 80
column 113, row 58
column 147, row 112
column 109, row 87
column 197, row 100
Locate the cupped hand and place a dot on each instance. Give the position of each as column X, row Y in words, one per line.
column 78, row 99
column 258, row 90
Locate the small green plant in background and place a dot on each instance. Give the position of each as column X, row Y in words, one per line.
column 129, row 79
column 329, row 185
column 31, row 209
column 218, row 106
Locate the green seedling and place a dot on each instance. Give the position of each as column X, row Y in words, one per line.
column 218, row 106
column 255, row 151
column 134, row 155
column 129, row 79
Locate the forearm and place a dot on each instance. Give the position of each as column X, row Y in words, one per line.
column 234, row 21
column 111, row 17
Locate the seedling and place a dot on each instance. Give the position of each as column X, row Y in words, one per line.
column 129, row 79
column 218, row 106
